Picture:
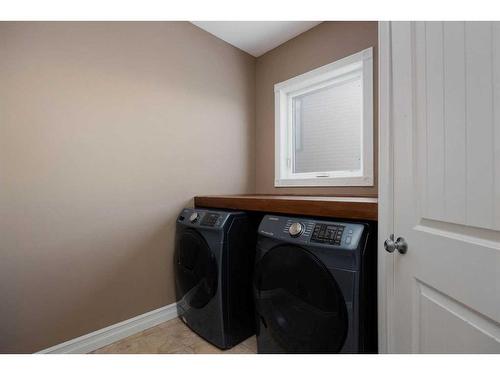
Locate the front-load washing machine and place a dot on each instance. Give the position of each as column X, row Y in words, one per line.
column 213, row 263
column 315, row 286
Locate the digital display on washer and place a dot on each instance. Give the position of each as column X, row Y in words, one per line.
column 325, row 233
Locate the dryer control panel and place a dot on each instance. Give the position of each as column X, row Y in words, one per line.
column 312, row 232
column 196, row 217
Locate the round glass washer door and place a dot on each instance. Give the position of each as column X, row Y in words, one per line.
column 299, row 302
column 196, row 269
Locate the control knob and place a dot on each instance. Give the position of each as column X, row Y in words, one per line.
column 296, row 229
column 194, row 217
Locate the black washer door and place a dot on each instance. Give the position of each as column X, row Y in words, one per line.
column 299, row 301
column 196, row 269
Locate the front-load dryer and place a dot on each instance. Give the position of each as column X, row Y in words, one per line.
column 315, row 286
column 213, row 263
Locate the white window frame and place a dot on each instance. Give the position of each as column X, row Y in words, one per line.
column 327, row 75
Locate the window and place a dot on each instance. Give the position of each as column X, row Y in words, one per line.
column 324, row 125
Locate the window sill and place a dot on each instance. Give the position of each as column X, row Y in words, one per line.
column 322, row 182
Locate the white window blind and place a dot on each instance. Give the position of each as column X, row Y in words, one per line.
column 328, row 128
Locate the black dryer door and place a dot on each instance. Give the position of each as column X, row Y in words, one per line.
column 195, row 269
column 299, row 302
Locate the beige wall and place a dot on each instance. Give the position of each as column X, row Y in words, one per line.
column 325, row 43
column 106, row 131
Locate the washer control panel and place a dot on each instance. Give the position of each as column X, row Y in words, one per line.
column 312, row 232
column 202, row 218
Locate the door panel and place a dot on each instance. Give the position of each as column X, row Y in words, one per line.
column 446, row 127
column 196, row 270
column 297, row 299
column 446, row 325
column 456, row 67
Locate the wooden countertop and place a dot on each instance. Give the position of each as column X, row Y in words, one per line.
column 323, row 206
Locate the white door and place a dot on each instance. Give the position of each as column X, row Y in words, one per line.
column 443, row 295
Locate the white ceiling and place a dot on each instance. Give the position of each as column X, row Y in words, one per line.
column 256, row 37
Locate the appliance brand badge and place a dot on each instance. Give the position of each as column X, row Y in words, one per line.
column 267, row 233
column 273, row 218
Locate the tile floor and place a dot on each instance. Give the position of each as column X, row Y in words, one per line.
column 172, row 337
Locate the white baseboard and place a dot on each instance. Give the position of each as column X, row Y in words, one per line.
column 97, row 339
